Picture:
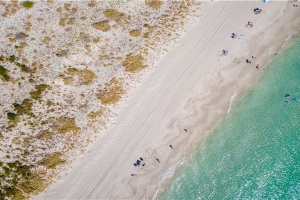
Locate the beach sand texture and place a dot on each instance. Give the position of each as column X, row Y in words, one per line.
column 191, row 88
column 64, row 68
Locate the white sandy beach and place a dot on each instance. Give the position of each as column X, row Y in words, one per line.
column 190, row 88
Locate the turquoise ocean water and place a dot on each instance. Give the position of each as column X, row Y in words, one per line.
column 254, row 153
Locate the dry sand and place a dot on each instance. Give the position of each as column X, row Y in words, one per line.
column 192, row 87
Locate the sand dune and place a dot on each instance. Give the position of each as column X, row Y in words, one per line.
column 190, row 88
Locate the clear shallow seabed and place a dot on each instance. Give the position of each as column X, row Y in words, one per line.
column 254, row 153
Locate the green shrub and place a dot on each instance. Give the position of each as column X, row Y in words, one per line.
column 23, row 108
column 39, row 89
column 24, row 68
column 6, row 170
column 12, row 58
column 3, row 73
column 27, row 4
column 11, row 116
column 44, row 122
column 9, row 191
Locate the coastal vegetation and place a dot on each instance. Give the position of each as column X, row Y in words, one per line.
column 39, row 89
column 134, row 63
column 112, row 93
column 51, row 161
column 135, row 33
column 64, row 125
column 113, row 14
column 155, row 4
column 44, row 99
column 4, row 73
column 23, row 67
column 28, row 4
column 102, row 26
column 85, row 76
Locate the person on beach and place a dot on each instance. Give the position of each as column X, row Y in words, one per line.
column 257, row 66
column 248, row 61
column 253, row 57
column 157, row 160
column 185, row 130
column 171, row 146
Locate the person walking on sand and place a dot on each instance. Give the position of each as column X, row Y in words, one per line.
column 157, row 160
column 185, row 130
column 171, row 146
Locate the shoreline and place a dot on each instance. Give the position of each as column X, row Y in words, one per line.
column 212, row 109
column 244, row 86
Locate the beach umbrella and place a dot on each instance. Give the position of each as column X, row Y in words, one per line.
column 265, row 1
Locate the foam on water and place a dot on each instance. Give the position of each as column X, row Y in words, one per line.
column 255, row 152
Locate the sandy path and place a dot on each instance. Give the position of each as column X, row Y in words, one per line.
column 159, row 109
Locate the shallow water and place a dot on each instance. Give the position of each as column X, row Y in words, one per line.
column 254, row 153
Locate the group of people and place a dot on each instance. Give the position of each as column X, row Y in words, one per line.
column 249, row 62
column 257, row 10
column 249, row 25
column 138, row 162
column 233, row 35
column 296, row 100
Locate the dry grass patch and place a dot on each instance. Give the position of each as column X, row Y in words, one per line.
column 39, row 89
column 46, row 40
column 33, row 185
column 86, row 77
column 62, row 22
column 64, row 125
column 102, row 26
column 135, row 33
column 134, row 63
column 28, row 26
column 155, row 4
column 71, row 21
column 146, row 35
column 96, row 40
column 51, row 161
column 100, row 113
column 67, row 80
column 59, row 9
column 112, row 93
column 113, row 14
